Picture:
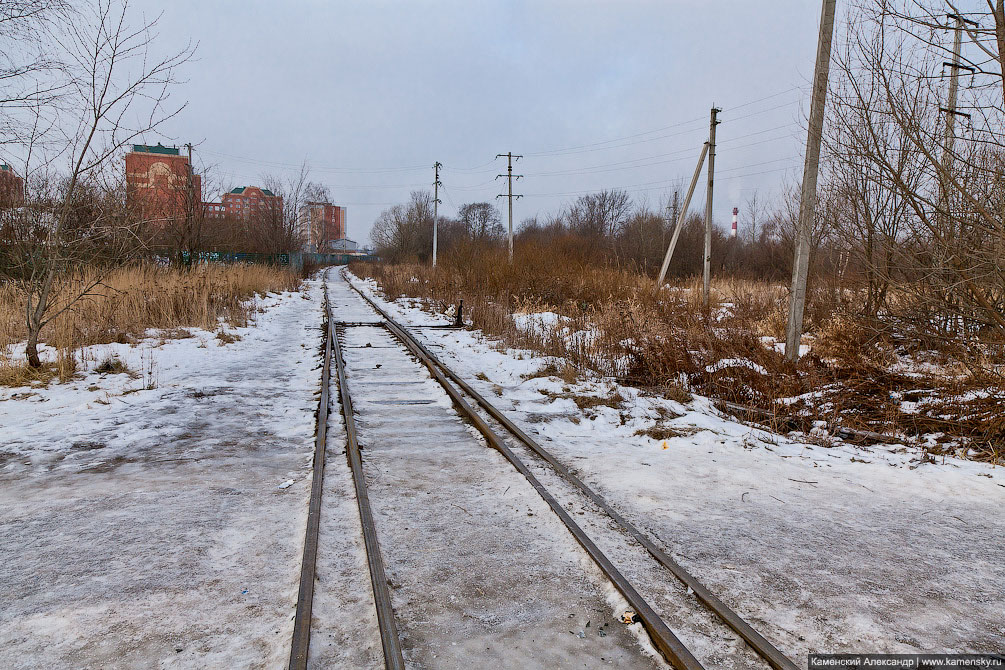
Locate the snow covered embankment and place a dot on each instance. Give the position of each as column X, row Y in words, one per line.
column 157, row 517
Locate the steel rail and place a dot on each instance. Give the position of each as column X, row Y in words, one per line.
column 300, row 645
column 389, row 640
column 757, row 642
column 672, row 649
column 775, row 658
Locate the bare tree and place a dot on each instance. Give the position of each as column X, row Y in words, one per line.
column 755, row 210
column 183, row 226
column 112, row 76
column 312, row 227
column 642, row 239
column 31, row 74
column 890, row 77
column 481, row 222
column 869, row 216
column 405, row 231
column 277, row 227
column 600, row 215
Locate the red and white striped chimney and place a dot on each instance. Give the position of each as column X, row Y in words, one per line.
column 736, row 210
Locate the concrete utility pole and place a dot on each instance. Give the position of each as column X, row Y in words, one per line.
column 707, row 273
column 436, row 201
column 190, row 208
column 682, row 216
column 954, row 85
column 510, row 177
column 808, row 198
column 950, row 109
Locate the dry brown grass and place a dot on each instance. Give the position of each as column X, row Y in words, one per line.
column 21, row 374
column 622, row 325
column 130, row 301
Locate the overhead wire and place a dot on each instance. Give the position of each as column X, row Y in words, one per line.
column 635, row 139
column 762, row 111
column 767, row 97
column 573, row 149
column 665, row 182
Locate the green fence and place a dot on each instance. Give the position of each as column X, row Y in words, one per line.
column 299, row 258
column 294, row 260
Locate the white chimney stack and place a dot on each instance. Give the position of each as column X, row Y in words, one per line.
column 736, row 210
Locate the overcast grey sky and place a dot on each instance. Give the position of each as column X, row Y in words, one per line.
column 371, row 93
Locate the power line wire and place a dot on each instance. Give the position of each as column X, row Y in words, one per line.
column 617, row 139
column 767, row 97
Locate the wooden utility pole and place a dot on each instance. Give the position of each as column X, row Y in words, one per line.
column 436, row 201
column 509, row 178
column 682, row 215
column 808, row 198
column 707, row 272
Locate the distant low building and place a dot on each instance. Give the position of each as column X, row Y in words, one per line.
column 342, row 246
column 214, row 210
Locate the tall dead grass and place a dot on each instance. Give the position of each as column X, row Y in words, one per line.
column 131, row 300
column 618, row 323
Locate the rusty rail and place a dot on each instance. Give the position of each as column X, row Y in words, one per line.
column 305, row 598
column 389, row 640
column 672, row 649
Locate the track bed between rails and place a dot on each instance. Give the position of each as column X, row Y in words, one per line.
column 481, row 571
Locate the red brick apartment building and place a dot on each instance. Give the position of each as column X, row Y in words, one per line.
column 321, row 224
column 11, row 187
column 157, row 183
column 244, row 202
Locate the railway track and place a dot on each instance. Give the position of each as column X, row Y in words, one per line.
column 537, row 466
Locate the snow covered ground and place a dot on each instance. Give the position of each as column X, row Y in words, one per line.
column 157, row 519
column 482, row 573
column 824, row 549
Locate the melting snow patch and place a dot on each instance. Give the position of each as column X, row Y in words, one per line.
column 736, row 363
column 538, row 321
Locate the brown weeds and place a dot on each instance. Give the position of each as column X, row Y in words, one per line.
column 620, row 324
column 131, row 301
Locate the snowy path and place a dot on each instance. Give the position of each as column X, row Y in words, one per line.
column 821, row 549
column 154, row 528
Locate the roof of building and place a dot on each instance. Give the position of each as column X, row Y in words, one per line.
column 159, row 149
column 240, row 189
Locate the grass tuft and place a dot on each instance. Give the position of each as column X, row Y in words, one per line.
column 112, row 365
column 22, row 374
